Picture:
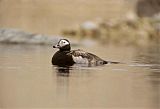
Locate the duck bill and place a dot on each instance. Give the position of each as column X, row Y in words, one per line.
column 56, row 46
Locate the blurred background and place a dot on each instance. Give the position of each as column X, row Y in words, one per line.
column 126, row 31
column 136, row 21
column 51, row 16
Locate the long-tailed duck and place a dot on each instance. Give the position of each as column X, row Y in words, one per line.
column 67, row 57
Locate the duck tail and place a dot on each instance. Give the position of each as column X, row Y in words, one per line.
column 105, row 62
column 111, row 62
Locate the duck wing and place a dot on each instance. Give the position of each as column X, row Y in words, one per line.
column 80, row 56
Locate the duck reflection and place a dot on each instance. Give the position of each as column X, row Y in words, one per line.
column 62, row 83
column 66, row 70
column 63, row 71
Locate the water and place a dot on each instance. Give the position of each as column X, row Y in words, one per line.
column 27, row 79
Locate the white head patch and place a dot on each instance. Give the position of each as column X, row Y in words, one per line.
column 63, row 42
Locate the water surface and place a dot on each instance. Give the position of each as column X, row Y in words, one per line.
column 27, row 79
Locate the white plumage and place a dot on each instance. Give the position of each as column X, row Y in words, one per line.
column 80, row 60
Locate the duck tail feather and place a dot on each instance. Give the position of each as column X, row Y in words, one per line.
column 111, row 62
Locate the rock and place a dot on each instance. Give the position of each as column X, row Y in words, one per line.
column 89, row 29
column 17, row 36
column 88, row 25
column 147, row 8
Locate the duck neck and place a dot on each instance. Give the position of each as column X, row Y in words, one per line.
column 65, row 48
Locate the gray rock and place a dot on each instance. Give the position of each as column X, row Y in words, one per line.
column 89, row 25
column 17, row 36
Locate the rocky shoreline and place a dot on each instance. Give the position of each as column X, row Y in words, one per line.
column 140, row 31
column 135, row 31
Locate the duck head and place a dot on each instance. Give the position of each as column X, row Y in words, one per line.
column 63, row 45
